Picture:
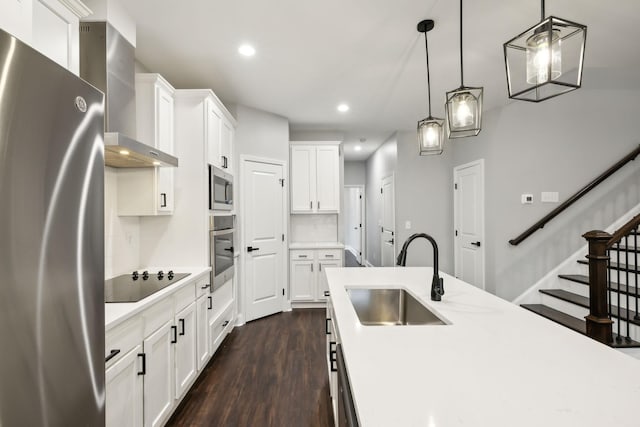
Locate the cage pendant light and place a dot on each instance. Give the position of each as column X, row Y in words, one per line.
column 546, row 60
column 464, row 104
column 430, row 130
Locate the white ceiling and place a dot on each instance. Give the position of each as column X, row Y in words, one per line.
column 311, row 56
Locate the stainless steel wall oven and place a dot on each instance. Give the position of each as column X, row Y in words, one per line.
column 221, row 231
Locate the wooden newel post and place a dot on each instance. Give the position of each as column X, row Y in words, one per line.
column 599, row 325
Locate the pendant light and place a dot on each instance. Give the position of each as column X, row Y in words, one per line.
column 430, row 130
column 546, row 60
column 464, row 104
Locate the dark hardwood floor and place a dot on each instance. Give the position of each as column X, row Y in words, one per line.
column 269, row 372
column 350, row 260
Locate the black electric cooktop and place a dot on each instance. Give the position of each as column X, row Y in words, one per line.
column 136, row 286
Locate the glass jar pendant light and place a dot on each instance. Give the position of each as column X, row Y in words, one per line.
column 430, row 130
column 464, row 104
column 546, row 60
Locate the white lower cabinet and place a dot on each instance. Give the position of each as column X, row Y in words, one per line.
column 154, row 357
column 307, row 278
column 158, row 378
column 124, row 390
column 186, row 366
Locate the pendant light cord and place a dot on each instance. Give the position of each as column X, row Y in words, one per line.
column 461, row 67
column 426, row 46
column 542, row 9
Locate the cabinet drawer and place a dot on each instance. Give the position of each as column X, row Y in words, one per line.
column 221, row 326
column 185, row 296
column 157, row 315
column 306, row 255
column 325, row 254
column 121, row 339
column 222, row 297
column 203, row 286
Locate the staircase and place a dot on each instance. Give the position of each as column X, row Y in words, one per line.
column 569, row 304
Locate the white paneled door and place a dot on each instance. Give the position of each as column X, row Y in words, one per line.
column 354, row 220
column 263, row 212
column 468, row 194
column 388, row 235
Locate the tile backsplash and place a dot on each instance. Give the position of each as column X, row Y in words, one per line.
column 121, row 233
column 314, row 228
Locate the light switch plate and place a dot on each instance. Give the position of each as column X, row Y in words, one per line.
column 526, row 199
column 407, row 225
column 549, row 197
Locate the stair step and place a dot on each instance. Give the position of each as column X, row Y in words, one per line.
column 584, row 302
column 582, row 279
column 616, row 266
column 574, row 323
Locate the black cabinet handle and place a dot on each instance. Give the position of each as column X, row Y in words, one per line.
column 326, row 326
column 226, row 322
column 112, row 354
column 476, row 244
column 208, row 285
column 144, row 364
column 251, row 249
column 327, row 293
column 181, row 326
column 163, row 197
column 333, row 356
column 210, row 303
column 175, row 334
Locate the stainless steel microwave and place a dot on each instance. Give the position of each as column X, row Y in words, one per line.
column 220, row 190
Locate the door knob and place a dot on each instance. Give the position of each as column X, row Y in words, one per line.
column 251, row 249
column 390, row 241
column 476, row 244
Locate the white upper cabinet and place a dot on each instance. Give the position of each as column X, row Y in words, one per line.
column 150, row 191
column 49, row 26
column 220, row 132
column 315, row 178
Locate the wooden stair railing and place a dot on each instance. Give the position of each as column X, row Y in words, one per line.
column 574, row 198
column 601, row 283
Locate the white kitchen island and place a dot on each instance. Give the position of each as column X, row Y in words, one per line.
column 494, row 364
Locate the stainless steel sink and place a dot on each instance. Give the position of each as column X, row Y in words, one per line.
column 390, row 307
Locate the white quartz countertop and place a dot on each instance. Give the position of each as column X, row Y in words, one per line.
column 495, row 364
column 117, row 312
column 316, row 245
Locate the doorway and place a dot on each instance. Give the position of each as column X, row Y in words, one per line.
column 387, row 235
column 263, row 224
column 354, row 223
column 468, row 208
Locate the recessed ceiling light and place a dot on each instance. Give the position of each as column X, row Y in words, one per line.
column 343, row 108
column 124, row 152
column 246, row 50
column 358, row 147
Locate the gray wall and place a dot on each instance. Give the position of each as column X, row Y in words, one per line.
column 355, row 173
column 424, row 197
column 260, row 133
column 558, row 145
column 380, row 164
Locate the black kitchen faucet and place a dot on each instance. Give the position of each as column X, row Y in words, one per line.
column 437, row 284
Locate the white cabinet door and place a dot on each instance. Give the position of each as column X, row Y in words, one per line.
column 124, row 390
column 213, row 132
column 226, row 146
column 303, row 179
column 203, row 304
column 303, row 280
column 185, row 349
column 323, row 285
column 56, row 33
column 165, row 133
column 159, row 378
column 328, row 179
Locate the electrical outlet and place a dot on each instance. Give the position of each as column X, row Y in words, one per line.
column 407, row 225
column 526, row 199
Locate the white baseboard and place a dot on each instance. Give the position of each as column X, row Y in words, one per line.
column 367, row 263
column 353, row 251
column 301, row 304
column 531, row 295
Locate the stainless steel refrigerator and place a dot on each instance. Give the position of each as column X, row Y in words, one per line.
column 51, row 243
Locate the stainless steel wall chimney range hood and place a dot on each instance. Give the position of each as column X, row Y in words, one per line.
column 107, row 61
